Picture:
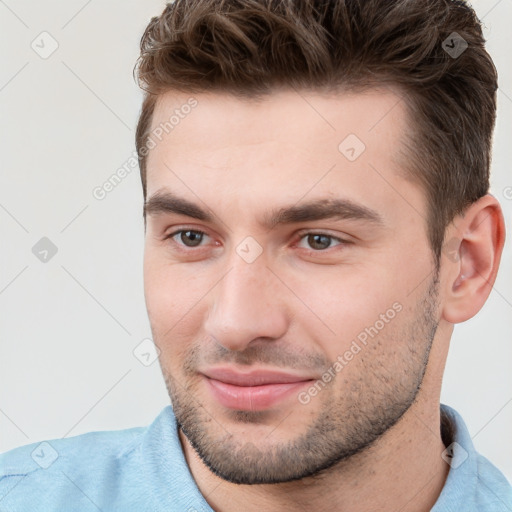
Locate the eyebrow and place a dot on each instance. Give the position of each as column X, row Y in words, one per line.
column 165, row 202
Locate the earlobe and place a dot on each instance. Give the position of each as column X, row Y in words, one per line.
column 473, row 259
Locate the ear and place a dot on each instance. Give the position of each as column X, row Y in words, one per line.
column 471, row 257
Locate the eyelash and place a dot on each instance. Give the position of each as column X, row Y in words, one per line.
column 301, row 235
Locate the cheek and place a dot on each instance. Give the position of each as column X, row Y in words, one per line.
column 341, row 305
column 164, row 292
column 169, row 285
column 174, row 304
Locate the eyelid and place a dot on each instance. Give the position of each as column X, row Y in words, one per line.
column 340, row 238
column 180, row 230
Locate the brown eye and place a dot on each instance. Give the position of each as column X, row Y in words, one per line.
column 319, row 242
column 190, row 238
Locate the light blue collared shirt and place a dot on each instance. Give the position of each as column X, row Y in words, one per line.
column 144, row 469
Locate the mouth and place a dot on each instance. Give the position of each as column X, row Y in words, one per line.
column 253, row 391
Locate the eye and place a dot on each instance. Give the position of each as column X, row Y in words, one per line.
column 316, row 242
column 187, row 237
column 320, row 241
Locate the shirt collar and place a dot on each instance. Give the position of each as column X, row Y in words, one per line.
column 461, row 483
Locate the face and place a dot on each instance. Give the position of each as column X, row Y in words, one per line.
column 288, row 277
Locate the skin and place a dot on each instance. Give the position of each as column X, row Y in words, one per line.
column 299, row 305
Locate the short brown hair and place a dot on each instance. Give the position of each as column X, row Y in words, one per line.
column 250, row 47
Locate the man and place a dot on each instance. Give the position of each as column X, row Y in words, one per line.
column 315, row 179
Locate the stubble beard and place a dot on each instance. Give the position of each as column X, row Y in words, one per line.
column 344, row 427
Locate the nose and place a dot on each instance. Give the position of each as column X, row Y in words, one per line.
column 247, row 304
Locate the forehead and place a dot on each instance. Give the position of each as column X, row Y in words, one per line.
column 281, row 147
column 285, row 113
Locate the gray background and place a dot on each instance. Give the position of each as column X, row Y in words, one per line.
column 69, row 325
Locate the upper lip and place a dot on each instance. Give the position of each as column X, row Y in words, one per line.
column 252, row 378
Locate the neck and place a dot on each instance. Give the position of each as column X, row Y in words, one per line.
column 403, row 470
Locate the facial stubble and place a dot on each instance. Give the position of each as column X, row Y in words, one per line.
column 345, row 426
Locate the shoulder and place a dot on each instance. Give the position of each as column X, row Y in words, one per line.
column 58, row 470
column 141, row 468
column 92, row 447
column 493, row 490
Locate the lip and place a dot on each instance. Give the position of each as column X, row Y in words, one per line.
column 253, row 378
column 252, row 391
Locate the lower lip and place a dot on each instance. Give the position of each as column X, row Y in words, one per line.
column 252, row 398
